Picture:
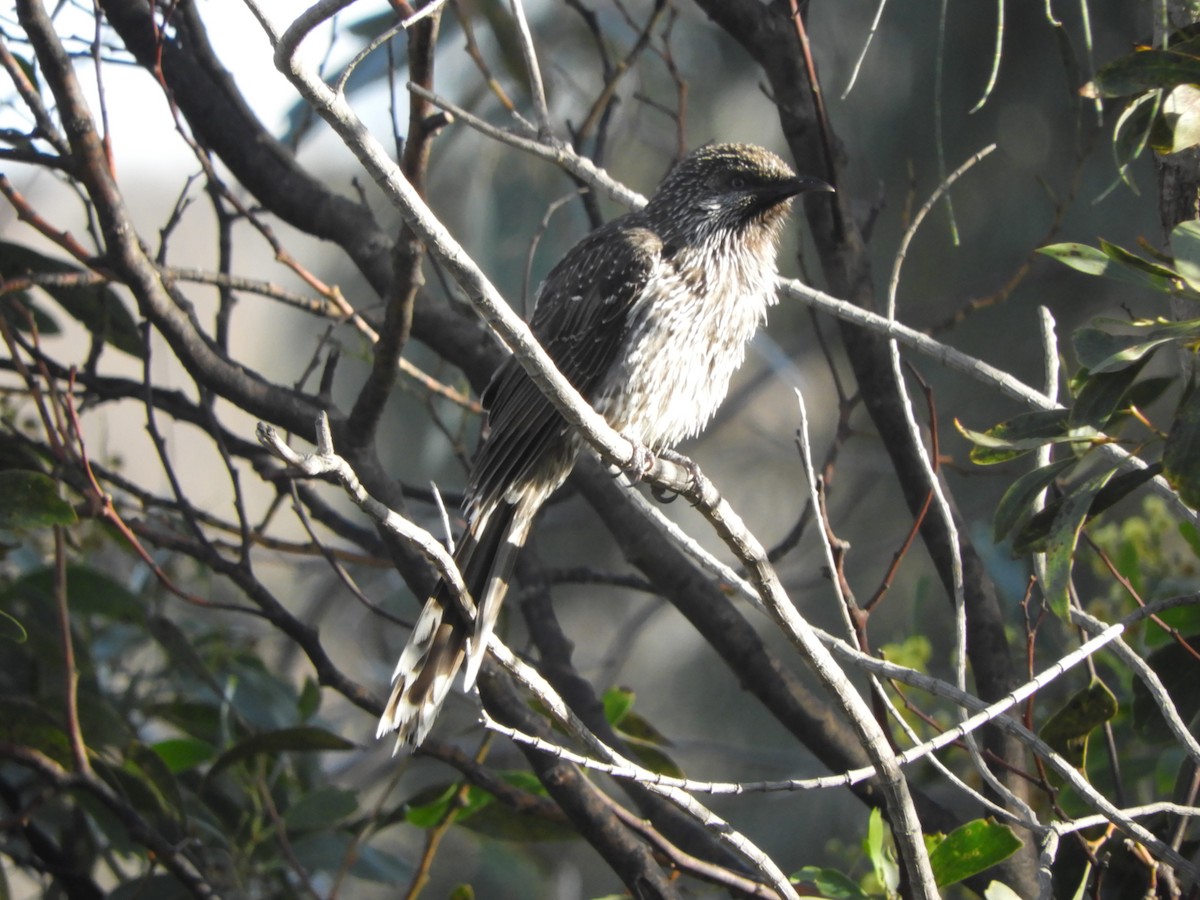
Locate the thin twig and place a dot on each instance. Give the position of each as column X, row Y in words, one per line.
column 862, row 54
column 565, row 717
column 79, row 752
column 532, row 70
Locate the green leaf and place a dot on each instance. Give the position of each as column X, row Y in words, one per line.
column 1068, row 729
column 322, row 809
column 11, row 629
column 309, row 701
column 1191, row 535
column 914, row 652
column 1018, row 499
column 200, row 720
column 502, row 822
column 305, row 739
column 429, row 807
column 96, row 306
column 1132, row 132
column 643, row 739
column 831, row 883
column 1121, row 486
column 1143, row 70
column 26, row 722
column 180, row 649
column 263, row 698
column 1064, row 535
column 970, row 849
column 328, row 851
column 1179, row 671
column 637, row 727
column 160, row 887
column 137, row 789
column 1185, row 40
column 1160, row 276
column 887, row 873
column 96, row 594
column 1181, row 455
column 1103, row 351
column 479, row 812
column 183, row 754
column 30, row 500
column 143, row 762
column 1017, row 436
column 1146, row 391
column 1123, row 266
column 1185, row 244
column 15, row 316
column 1102, row 395
column 617, row 703
column 654, row 758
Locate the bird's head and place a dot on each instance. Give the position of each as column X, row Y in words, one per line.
column 724, row 190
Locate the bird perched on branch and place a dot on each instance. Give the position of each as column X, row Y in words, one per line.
column 648, row 317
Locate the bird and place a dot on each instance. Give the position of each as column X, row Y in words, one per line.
column 648, row 317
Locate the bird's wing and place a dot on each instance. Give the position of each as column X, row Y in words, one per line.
column 580, row 318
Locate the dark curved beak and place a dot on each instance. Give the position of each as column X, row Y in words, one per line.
column 774, row 194
column 805, row 183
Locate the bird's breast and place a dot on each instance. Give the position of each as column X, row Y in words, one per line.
column 685, row 337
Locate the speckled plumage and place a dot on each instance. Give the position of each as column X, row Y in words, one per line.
column 648, row 317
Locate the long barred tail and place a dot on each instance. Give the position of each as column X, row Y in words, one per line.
column 440, row 640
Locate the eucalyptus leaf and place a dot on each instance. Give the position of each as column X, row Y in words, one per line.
column 1069, row 727
column 1103, row 351
column 304, row 738
column 831, row 883
column 1034, row 535
column 1133, row 130
column 1092, row 261
column 1185, row 244
column 1159, row 274
column 1102, row 395
column 1179, row 670
column 183, row 754
column 970, row 849
column 617, row 703
column 96, row 306
column 1018, row 499
column 1017, row 435
column 1181, row 455
column 30, row 500
column 321, row 809
column 1143, row 70
column 331, row 851
column 1064, row 535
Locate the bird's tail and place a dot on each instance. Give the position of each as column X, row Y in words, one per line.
column 441, row 639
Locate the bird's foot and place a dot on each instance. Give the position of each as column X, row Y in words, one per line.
column 666, row 495
column 642, row 462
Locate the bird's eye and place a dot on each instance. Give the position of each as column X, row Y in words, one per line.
column 738, row 183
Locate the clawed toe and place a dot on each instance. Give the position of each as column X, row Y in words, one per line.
column 642, row 463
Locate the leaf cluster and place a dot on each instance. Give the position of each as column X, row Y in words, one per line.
column 1108, row 395
column 1162, row 102
column 188, row 732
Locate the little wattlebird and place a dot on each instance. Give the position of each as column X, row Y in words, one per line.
column 648, row 317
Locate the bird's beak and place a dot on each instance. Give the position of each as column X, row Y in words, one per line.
column 804, row 183
column 784, row 190
column 774, row 195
